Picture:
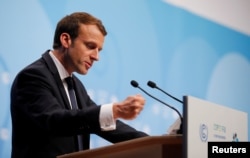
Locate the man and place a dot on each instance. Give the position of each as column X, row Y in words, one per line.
column 47, row 121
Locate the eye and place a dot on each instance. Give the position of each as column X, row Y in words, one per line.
column 91, row 45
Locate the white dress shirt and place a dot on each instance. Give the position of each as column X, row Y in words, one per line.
column 106, row 118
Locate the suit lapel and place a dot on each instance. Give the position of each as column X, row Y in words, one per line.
column 52, row 67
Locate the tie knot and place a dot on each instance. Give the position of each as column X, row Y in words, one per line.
column 69, row 81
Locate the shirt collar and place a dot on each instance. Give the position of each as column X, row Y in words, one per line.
column 62, row 71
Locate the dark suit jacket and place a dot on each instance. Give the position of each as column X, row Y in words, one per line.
column 43, row 124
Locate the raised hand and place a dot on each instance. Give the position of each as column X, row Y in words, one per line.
column 129, row 108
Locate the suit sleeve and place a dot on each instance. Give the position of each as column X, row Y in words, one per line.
column 38, row 99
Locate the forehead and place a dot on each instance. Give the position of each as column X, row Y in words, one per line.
column 89, row 31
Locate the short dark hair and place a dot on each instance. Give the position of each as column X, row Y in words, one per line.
column 70, row 24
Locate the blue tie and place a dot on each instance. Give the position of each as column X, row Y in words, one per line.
column 73, row 101
column 71, row 90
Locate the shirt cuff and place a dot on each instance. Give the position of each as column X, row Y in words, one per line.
column 106, row 118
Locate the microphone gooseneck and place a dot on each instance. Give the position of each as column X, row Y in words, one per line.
column 136, row 85
column 153, row 85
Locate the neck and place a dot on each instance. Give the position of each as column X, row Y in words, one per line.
column 61, row 55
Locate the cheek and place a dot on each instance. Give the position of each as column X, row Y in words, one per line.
column 78, row 55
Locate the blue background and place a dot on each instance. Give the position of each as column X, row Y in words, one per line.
column 183, row 53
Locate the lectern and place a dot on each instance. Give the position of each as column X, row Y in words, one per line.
column 169, row 146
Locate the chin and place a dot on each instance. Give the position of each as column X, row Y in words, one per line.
column 84, row 72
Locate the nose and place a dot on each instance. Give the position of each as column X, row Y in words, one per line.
column 95, row 54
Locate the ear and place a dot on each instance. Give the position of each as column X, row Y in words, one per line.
column 65, row 40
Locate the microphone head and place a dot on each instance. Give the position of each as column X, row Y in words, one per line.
column 134, row 83
column 151, row 84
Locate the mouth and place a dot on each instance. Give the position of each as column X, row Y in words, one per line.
column 88, row 65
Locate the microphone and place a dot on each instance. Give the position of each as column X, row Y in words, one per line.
column 153, row 85
column 136, row 85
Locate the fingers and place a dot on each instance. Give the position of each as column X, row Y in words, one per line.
column 130, row 108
